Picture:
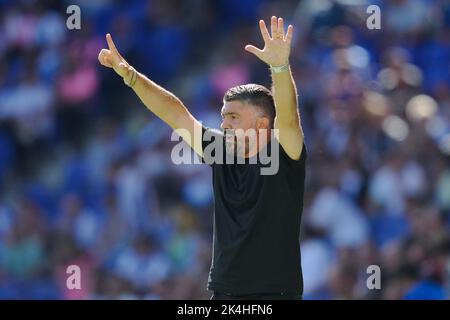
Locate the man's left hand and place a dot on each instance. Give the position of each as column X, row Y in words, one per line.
column 277, row 46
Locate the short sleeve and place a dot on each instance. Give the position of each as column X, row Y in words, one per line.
column 213, row 146
column 291, row 163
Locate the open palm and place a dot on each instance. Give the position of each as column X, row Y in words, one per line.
column 277, row 47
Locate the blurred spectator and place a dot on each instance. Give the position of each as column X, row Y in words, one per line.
column 143, row 264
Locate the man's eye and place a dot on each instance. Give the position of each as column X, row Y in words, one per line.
column 234, row 117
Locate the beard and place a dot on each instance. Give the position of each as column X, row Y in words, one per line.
column 237, row 144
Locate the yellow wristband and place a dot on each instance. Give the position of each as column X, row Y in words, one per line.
column 133, row 78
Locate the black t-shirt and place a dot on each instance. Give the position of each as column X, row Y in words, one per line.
column 257, row 219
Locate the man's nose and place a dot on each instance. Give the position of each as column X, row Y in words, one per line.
column 225, row 125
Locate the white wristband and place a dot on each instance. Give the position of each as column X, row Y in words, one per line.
column 280, row 69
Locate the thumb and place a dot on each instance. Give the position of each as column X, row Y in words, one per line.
column 252, row 49
column 122, row 66
column 122, row 69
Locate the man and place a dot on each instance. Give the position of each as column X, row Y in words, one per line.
column 257, row 217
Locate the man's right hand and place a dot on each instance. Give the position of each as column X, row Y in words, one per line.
column 111, row 58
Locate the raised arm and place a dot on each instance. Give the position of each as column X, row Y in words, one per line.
column 161, row 102
column 276, row 53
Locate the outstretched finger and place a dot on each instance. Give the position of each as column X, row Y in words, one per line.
column 274, row 26
column 264, row 32
column 281, row 27
column 290, row 30
column 111, row 44
column 252, row 49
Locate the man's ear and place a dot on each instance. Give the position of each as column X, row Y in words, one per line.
column 262, row 123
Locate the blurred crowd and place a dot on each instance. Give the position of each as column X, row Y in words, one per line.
column 86, row 176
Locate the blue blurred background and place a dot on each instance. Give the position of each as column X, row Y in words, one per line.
column 85, row 171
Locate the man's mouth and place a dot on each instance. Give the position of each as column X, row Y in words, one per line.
column 229, row 136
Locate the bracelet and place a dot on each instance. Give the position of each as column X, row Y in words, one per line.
column 280, row 69
column 133, row 78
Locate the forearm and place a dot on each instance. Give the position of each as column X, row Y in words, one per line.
column 161, row 102
column 285, row 97
column 168, row 108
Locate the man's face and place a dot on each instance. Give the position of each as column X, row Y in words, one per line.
column 237, row 118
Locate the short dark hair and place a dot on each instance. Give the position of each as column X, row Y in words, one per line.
column 256, row 95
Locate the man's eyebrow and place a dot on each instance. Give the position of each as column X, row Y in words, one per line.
column 229, row 113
